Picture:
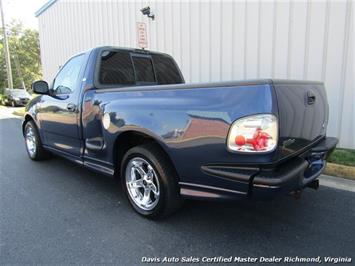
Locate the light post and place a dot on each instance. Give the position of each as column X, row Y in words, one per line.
column 6, row 50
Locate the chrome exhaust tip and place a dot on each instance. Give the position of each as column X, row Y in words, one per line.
column 314, row 184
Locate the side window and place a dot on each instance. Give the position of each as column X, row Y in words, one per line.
column 66, row 81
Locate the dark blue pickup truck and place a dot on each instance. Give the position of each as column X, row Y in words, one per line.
column 128, row 113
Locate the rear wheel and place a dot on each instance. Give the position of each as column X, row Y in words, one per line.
column 150, row 182
column 33, row 143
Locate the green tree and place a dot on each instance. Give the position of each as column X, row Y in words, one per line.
column 25, row 55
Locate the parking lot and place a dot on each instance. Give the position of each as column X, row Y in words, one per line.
column 55, row 212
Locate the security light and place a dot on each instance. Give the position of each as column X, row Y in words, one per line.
column 146, row 11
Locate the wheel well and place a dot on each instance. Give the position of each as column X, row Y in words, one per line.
column 27, row 118
column 130, row 139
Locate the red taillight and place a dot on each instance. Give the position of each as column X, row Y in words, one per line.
column 240, row 140
column 256, row 133
column 259, row 140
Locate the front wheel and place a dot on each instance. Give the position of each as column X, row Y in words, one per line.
column 33, row 143
column 150, row 182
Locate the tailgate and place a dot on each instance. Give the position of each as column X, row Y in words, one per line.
column 303, row 114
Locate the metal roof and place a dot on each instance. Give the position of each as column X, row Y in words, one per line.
column 45, row 7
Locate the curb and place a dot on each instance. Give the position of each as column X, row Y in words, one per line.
column 337, row 182
column 338, row 170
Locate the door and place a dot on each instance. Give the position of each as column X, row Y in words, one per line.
column 59, row 112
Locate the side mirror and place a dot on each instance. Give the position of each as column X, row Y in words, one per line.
column 40, row 87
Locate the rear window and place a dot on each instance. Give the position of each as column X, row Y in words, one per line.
column 166, row 70
column 144, row 69
column 116, row 68
column 125, row 68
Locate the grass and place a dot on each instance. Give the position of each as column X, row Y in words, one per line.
column 341, row 163
column 343, row 157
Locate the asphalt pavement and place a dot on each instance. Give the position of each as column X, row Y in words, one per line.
column 55, row 212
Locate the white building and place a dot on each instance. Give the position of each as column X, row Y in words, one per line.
column 221, row 40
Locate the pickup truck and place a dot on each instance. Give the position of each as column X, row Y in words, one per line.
column 127, row 113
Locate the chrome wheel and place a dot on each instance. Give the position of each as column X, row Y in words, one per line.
column 142, row 183
column 30, row 138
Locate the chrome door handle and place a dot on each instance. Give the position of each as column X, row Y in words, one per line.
column 71, row 107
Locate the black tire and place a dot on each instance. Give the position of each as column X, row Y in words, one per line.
column 40, row 153
column 169, row 199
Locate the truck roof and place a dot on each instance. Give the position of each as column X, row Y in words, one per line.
column 128, row 49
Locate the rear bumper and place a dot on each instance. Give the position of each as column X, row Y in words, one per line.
column 296, row 174
column 292, row 176
column 266, row 182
